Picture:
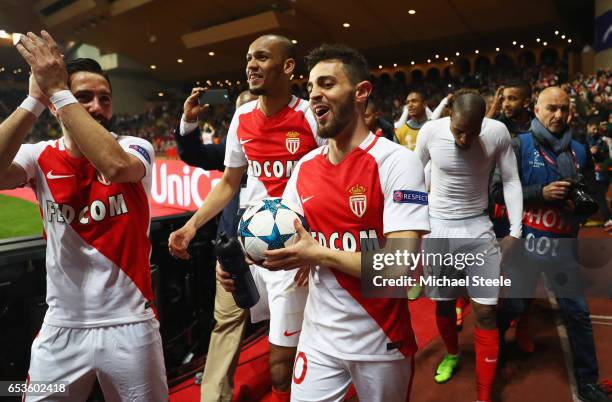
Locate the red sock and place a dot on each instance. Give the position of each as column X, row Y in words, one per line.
column 487, row 349
column 447, row 326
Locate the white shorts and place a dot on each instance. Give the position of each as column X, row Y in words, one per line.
column 479, row 229
column 318, row 377
column 280, row 301
column 127, row 359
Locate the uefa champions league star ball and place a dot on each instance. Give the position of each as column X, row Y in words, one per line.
column 268, row 225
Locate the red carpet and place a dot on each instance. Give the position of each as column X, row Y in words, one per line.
column 252, row 379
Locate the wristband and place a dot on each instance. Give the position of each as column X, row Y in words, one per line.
column 62, row 98
column 33, row 106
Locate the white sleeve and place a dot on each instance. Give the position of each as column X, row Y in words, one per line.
column 513, row 192
column 186, row 127
column 234, row 153
column 421, row 149
column 27, row 158
column 403, row 185
column 290, row 195
column 140, row 148
column 403, row 118
column 435, row 115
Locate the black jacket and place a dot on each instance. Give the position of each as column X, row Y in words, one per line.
column 194, row 153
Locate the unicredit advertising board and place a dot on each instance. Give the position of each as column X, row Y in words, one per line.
column 176, row 188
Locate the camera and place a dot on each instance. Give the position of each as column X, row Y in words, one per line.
column 583, row 202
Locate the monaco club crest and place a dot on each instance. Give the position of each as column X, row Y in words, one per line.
column 292, row 142
column 358, row 200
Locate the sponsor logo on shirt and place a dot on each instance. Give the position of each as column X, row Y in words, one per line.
column 347, row 241
column 97, row 211
column 277, row 169
column 410, row 197
column 141, row 151
column 292, row 142
column 358, row 200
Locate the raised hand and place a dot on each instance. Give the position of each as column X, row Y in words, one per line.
column 35, row 92
column 46, row 62
column 191, row 108
column 495, row 108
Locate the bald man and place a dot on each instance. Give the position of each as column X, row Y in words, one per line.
column 463, row 149
column 257, row 139
column 548, row 159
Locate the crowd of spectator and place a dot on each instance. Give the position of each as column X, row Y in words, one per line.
column 591, row 96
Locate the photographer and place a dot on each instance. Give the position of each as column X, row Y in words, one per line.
column 554, row 169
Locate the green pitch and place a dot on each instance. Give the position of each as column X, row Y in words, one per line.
column 18, row 218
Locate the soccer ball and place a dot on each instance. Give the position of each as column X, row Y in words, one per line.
column 268, row 225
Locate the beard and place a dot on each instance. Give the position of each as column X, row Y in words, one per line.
column 341, row 118
column 104, row 122
column 258, row 91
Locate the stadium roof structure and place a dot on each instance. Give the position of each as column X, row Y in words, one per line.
column 189, row 40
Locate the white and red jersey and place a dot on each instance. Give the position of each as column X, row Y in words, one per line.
column 377, row 189
column 271, row 146
column 98, row 249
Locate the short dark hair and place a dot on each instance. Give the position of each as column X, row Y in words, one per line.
column 88, row 65
column 354, row 63
column 521, row 85
column 287, row 47
column 471, row 104
column 420, row 93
